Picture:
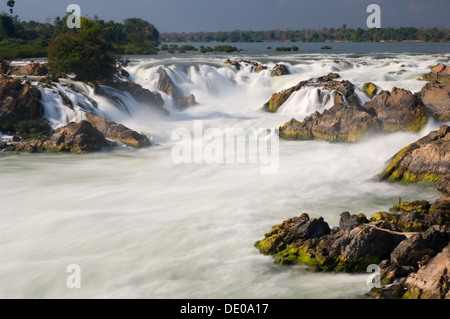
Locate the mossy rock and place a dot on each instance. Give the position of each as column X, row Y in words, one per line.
column 370, row 89
column 422, row 207
column 384, row 216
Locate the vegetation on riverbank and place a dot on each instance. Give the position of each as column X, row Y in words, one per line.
column 323, row 35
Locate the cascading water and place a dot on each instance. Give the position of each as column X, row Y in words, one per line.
column 140, row 225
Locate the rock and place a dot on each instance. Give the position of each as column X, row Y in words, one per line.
column 405, row 258
column 279, row 70
column 35, row 69
column 4, row 67
column 166, row 85
column 350, row 248
column 344, row 64
column 344, row 92
column 340, row 123
column 279, row 98
column 76, row 138
column 142, row 95
column 426, row 159
column 370, row 89
column 432, row 280
column 333, row 75
column 118, row 132
column 234, row 63
column 398, row 110
column 436, row 98
column 20, row 108
column 440, row 72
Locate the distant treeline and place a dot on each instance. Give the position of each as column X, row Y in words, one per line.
column 25, row 39
column 323, row 35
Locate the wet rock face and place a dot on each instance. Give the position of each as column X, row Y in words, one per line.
column 166, row 85
column 344, row 92
column 426, row 159
column 142, row 95
column 436, row 98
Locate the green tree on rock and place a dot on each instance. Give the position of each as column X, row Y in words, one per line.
column 83, row 53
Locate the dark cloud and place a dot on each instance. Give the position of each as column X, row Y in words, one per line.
column 226, row 15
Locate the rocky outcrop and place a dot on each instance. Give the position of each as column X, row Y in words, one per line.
column 118, row 132
column 142, row 95
column 432, row 280
column 340, row 123
column 436, row 98
column 279, row 70
column 440, row 72
column 344, row 64
column 239, row 64
column 166, row 85
column 20, row 109
column 412, row 216
column 32, row 69
column 344, row 92
column 398, row 110
column 351, row 247
column 426, row 159
column 74, row 137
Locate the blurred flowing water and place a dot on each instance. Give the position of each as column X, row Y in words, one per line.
column 141, row 226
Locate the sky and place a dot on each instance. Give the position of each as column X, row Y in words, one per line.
column 229, row 15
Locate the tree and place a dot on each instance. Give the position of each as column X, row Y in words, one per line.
column 84, row 53
column 6, row 26
column 10, row 4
